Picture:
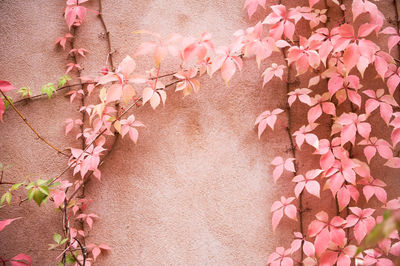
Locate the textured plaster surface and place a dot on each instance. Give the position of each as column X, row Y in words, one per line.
column 197, row 188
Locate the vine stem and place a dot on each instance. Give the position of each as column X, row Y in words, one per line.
column 163, row 76
column 293, row 148
column 350, row 149
column 84, row 252
column 31, row 127
column 7, row 183
column 110, row 61
column 110, row 52
column 75, row 59
column 293, row 151
column 58, row 89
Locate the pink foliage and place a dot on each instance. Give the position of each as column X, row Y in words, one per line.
column 345, row 50
column 312, row 186
column 281, row 207
column 280, row 165
column 267, row 118
column 272, row 71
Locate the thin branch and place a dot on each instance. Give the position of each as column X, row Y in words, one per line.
column 43, row 94
column 353, row 109
column 75, row 59
column 7, row 183
column 84, row 251
column 31, row 127
column 76, row 259
column 163, row 76
column 107, row 34
column 293, row 151
column 65, row 227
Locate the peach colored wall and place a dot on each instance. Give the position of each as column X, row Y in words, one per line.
column 197, row 187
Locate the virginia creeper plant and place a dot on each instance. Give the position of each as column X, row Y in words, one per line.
column 337, row 55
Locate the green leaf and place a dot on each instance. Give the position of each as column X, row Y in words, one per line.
column 3, row 198
column 41, row 182
column 31, row 192
column 44, row 190
column 63, row 241
column 7, row 103
column 49, row 89
column 16, row 186
column 38, row 190
column 30, row 185
column 39, row 197
column 69, row 259
column 55, row 184
column 63, row 80
column 6, row 197
column 25, row 91
column 57, row 238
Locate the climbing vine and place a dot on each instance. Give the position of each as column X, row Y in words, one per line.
column 336, row 56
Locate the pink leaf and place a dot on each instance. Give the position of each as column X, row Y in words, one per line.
column 369, row 152
column 4, row 223
column 351, row 56
column 21, row 260
column 329, row 258
column 59, row 197
column 395, row 136
column 281, row 165
column 127, row 66
column 393, row 162
column 289, row 165
column 314, row 113
column 228, row 69
column 335, row 83
column 104, row 246
column 114, row 93
column 133, row 134
column 252, row 6
column 291, row 211
column 343, row 196
column 322, row 241
column 267, row 118
column 392, row 83
column 276, row 218
column 395, row 249
column 313, row 2
column 6, row 86
column 313, row 188
column 96, row 252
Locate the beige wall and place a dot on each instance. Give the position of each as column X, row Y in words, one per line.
column 197, row 188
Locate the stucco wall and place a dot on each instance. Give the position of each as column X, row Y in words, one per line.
column 197, row 188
